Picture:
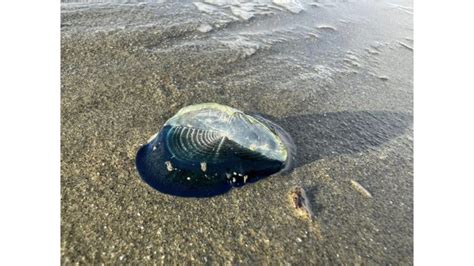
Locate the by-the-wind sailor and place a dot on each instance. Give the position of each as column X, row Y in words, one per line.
column 206, row 149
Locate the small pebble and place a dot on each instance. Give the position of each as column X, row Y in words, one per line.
column 169, row 166
column 204, row 166
column 204, row 28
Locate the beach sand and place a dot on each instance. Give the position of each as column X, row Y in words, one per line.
column 337, row 77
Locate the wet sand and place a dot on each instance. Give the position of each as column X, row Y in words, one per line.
column 337, row 76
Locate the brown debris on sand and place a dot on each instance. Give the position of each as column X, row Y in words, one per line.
column 300, row 202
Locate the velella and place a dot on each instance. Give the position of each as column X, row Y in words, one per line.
column 206, row 149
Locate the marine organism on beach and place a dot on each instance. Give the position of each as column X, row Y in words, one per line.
column 206, row 149
column 360, row 189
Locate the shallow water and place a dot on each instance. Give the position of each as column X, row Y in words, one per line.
column 337, row 75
